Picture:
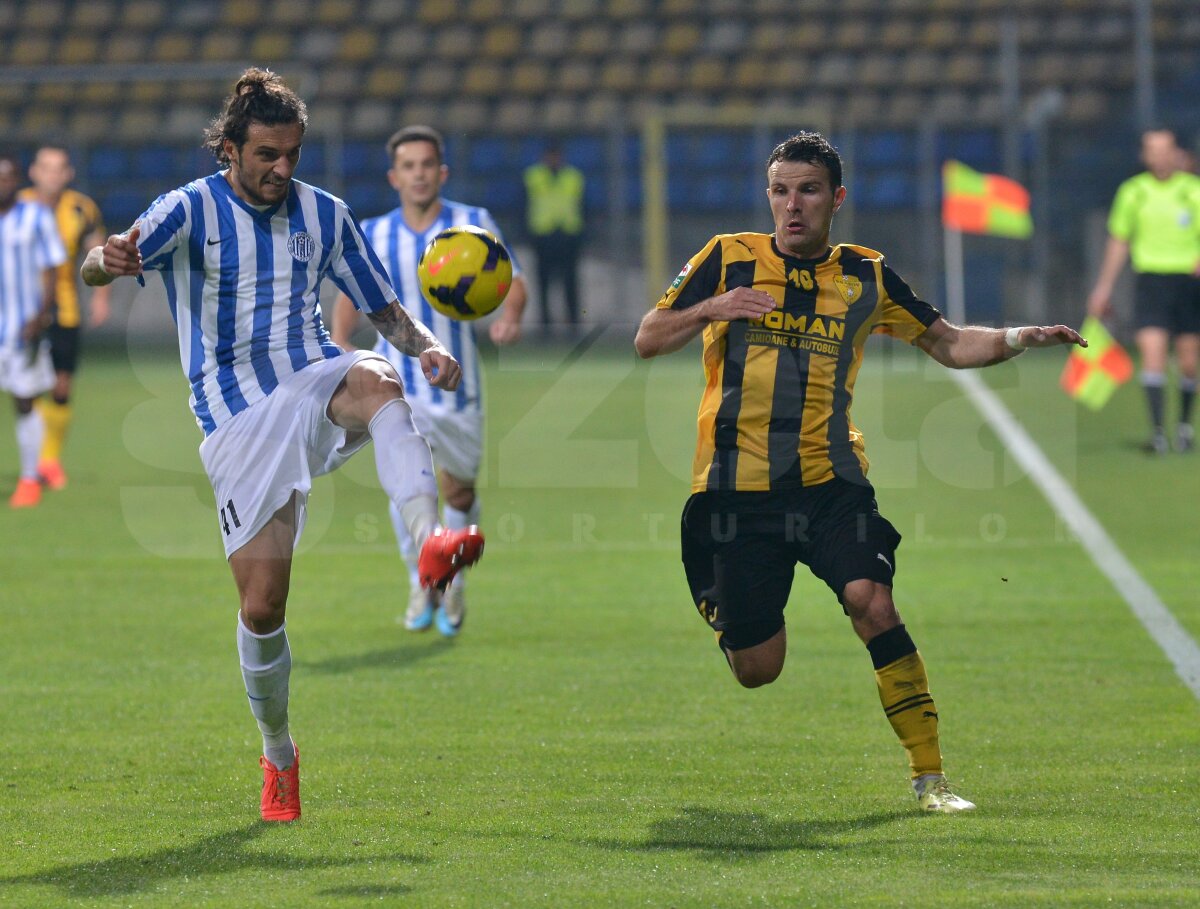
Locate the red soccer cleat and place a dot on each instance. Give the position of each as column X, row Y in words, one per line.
column 281, row 791
column 446, row 552
column 52, row 474
column 28, row 493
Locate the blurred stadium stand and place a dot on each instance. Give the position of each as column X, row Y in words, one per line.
column 502, row 78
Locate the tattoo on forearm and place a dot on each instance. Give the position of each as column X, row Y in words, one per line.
column 404, row 333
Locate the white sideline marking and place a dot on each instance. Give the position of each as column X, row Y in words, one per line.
column 1170, row 636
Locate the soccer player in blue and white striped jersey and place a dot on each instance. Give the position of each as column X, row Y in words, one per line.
column 453, row 423
column 30, row 249
column 243, row 254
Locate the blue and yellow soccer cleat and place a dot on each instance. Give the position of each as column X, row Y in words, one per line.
column 421, row 606
column 934, row 795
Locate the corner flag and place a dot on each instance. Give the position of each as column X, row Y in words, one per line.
column 976, row 203
column 1094, row 372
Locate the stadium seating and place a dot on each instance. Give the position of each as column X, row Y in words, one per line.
column 484, row 70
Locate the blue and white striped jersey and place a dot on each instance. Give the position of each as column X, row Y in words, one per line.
column 400, row 247
column 29, row 244
column 243, row 285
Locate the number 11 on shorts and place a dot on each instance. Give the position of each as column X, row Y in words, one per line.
column 232, row 515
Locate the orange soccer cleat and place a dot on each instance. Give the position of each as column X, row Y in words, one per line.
column 28, row 493
column 52, row 474
column 446, row 552
column 281, row 791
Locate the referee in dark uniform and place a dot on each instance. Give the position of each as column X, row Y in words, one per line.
column 780, row 470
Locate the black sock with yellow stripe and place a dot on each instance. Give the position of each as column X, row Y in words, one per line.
column 904, row 693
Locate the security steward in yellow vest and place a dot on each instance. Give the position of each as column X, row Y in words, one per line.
column 554, row 217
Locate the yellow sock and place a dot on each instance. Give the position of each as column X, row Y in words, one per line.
column 56, row 417
column 904, row 694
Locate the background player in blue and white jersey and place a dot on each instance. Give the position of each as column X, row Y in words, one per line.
column 243, row 254
column 30, row 249
column 452, row 422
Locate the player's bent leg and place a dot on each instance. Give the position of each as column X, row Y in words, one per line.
column 761, row 664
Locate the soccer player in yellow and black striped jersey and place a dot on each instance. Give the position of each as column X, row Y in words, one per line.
column 780, row 470
column 81, row 227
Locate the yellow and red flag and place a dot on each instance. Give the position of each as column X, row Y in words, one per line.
column 1094, row 372
column 978, row 203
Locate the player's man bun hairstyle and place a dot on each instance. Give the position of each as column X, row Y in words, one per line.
column 811, row 148
column 417, row 133
column 259, row 96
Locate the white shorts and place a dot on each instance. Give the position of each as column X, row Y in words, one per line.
column 275, row 447
column 23, row 377
column 455, row 437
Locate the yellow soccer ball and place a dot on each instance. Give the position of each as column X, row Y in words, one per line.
column 465, row 272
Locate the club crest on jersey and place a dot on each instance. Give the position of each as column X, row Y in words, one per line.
column 301, row 246
column 848, row 286
column 679, row 278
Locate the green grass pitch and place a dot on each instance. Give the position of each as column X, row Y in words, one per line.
column 582, row 743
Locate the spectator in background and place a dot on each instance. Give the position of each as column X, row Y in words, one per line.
column 81, row 227
column 1155, row 222
column 554, row 216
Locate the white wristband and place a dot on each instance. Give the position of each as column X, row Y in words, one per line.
column 1013, row 340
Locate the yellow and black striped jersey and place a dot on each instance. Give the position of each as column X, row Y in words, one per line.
column 775, row 412
column 78, row 217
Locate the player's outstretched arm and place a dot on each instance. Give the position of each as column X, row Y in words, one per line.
column 413, row 339
column 971, row 346
column 118, row 256
column 666, row 330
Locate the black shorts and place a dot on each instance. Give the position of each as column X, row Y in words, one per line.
column 740, row 551
column 64, row 347
column 1167, row 301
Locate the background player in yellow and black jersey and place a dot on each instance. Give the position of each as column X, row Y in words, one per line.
column 81, row 227
column 780, row 470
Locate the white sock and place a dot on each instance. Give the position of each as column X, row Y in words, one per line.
column 266, row 665
column 405, row 468
column 30, row 430
column 456, row 520
column 408, row 550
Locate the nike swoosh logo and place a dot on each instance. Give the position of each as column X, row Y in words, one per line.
column 438, row 265
column 213, row 242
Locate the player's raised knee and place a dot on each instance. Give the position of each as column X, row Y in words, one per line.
column 761, row 664
column 376, row 378
column 756, row 675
